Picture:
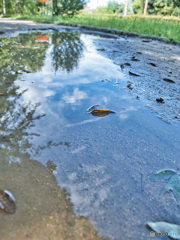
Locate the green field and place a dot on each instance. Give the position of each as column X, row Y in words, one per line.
column 157, row 26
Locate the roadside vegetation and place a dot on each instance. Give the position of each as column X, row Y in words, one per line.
column 159, row 24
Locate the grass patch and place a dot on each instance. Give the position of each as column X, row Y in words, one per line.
column 157, row 26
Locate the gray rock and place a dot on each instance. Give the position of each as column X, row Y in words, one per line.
column 119, row 32
column 144, row 36
column 162, row 39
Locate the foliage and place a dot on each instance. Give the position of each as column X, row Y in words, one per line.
column 69, row 7
column 162, row 27
column 67, row 50
column 112, row 6
column 164, row 7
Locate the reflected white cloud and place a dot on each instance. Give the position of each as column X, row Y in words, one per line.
column 75, row 97
column 78, row 149
column 123, row 113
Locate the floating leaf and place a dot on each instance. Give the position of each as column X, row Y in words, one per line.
column 173, row 185
column 129, row 86
column 7, row 201
column 152, row 64
column 134, row 59
column 125, row 64
column 26, row 71
column 163, row 174
column 101, row 112
column 17, row 27
column 160, row 100
column 3, row 93
column 102, row 49
column 42, row 38
column 168, row 80
column 172, row 230
column 92, row 107
column 134, row 74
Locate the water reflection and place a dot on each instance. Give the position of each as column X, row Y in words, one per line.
column 46, row 132
column 44, row 210
column 67, row 50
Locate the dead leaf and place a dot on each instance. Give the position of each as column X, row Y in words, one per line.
column 92, row 107
column 26, row 71
column 134, row 74
column 17, row 27
column 7, row 201
column 101, row 112
column 169, row 229
column 173, row 184
column 161, row 100
column 102, row 49
column 152, row 64
column 134, row 59
column 3, row 93
column 168, row 80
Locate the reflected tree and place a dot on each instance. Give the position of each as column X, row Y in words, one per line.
column 67, row 50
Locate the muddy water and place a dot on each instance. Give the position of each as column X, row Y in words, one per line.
column 75, row 175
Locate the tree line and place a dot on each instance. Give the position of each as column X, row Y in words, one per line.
column 71, row 7
column 155, row 7
column 50, row 7
column 158, row 7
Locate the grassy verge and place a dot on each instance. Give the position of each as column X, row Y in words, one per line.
column 160, row 27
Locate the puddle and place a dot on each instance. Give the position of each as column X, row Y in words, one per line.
column 75, row 175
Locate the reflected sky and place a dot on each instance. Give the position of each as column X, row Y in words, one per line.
column 106, row 162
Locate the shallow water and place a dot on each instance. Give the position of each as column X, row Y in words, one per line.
column 73, row 173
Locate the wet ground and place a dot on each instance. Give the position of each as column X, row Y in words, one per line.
column 75, row 175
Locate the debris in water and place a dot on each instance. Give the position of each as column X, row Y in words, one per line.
column 153, row 64
column 134, row 59
column 3, row 92
column 129, row 86
column 168, row 80
column 169, row 229
column 26, row 71
column 137, row 97
column 102, row 49
column 42, row 38
column 134, row 74
column 166, row 174
column 92, row 107
column 99, row 112
column 174, row 181
column 7, row 201
column 160, row 100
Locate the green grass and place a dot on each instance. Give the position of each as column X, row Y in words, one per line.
column 157, row 26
